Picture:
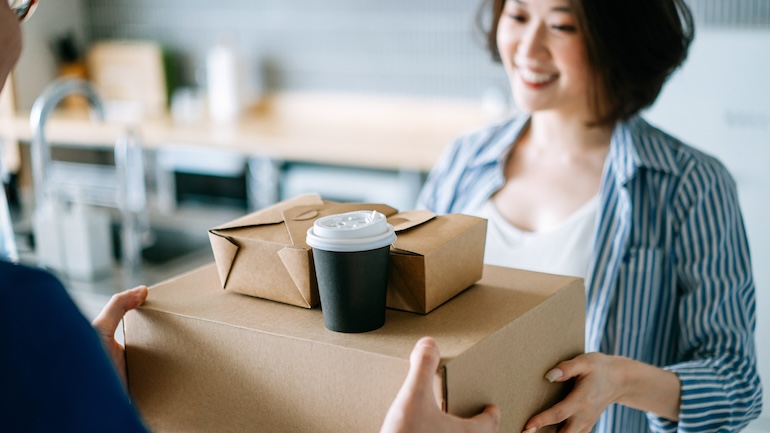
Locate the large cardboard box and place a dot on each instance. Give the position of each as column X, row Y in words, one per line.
column 264, row 254
column 203, row 359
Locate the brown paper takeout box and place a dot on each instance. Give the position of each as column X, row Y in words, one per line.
column 434, row 258
column 264, row 254
column 203, row 359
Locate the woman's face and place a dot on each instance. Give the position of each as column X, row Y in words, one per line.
column 10, row 41
column 544, row 55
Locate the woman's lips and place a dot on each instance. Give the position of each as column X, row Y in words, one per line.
column 536, row 79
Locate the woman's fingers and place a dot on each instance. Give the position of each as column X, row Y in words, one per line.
column 566, row 370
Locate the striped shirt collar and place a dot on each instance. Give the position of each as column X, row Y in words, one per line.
column 635, row 144
column 500, row 142
column 631, row 147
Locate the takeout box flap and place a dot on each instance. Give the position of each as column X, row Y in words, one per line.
column 430, row 237
column 401, row 294
column 406, row 220
column 300, row 218
column 273, row 214
column 224, row 251
column 301, row 271
column 225, row 247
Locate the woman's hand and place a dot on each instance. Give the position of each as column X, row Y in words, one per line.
column 601, row 380
column 597, row 385
column 415, row 408
column 107, row 322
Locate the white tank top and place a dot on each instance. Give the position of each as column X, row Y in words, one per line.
column 563, row 250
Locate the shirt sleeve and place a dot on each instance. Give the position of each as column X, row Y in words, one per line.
column 720, row 386
column 54, row 374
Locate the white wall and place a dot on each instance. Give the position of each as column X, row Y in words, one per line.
column 720, row 102
column 37, row 65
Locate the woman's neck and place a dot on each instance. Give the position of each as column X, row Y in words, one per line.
column 568, row 135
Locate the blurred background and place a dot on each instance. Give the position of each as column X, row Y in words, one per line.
column 210, row 110
column 236, row 105
column 399, row 47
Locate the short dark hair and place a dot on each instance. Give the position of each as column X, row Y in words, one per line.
column 633, row 46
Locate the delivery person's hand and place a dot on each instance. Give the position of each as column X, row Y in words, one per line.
column 415, row 408
column 107, row 322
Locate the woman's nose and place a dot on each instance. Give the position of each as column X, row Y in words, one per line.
column 532, row 44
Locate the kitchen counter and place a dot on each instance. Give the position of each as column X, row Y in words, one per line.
column 343, row 129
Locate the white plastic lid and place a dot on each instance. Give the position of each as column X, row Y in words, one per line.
column 351, row 231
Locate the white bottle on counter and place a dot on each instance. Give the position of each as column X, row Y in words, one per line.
column 223, row 81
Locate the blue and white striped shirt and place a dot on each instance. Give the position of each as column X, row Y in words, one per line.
column 669, row 281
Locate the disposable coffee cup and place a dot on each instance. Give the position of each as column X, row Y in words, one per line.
column 351, row 253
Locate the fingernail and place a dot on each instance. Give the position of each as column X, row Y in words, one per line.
column 532, row 430
column 551, row 376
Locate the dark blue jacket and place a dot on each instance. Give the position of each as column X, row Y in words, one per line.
column 54, row 374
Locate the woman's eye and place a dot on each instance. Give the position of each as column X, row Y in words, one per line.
column 564, row 28
column 517, row 17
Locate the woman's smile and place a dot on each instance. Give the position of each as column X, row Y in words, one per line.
column 536, row 79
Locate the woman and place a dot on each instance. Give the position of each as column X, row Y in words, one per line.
column 579, row 184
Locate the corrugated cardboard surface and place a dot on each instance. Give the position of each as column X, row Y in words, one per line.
column 201, row 359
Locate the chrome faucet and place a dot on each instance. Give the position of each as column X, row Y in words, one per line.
column 41, row 152
column 122, row 188
column 41, row 110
